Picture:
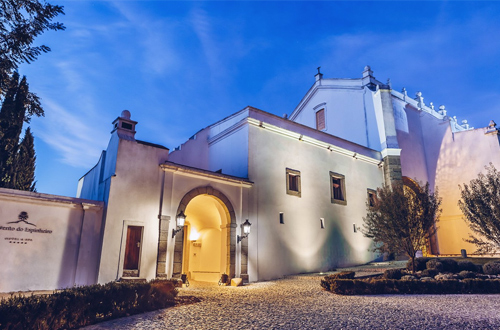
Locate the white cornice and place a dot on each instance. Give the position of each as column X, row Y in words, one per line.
column 312, row 141
column 204, row 174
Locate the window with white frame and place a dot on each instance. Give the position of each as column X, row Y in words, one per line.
column 292, row 182
column 337, row 188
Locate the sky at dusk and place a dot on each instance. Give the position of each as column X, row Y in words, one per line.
column 180, row 66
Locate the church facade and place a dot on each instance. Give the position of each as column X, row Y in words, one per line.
column 258, row 196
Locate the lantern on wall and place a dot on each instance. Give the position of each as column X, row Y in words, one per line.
column 180, row 219
column 246, row 230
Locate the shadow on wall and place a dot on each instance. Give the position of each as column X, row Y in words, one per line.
column 68, row 263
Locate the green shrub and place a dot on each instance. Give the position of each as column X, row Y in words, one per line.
column 434, row 264
column 80, row 306
column 449, row 265
column 325, row 283
column 466, row 265
column 492, row 268
column 420, row 264
column 467, row 274
column 393, row 274
column 429, row 273
column 361, row 287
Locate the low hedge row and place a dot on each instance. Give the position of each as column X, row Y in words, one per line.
column 375, row 286
column 80, row 306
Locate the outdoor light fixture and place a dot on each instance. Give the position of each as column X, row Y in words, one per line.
column 181, row 217
column 246, row 230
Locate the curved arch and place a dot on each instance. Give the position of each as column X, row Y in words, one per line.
column 230, row 228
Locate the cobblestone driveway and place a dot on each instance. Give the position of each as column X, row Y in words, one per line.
column 300, row 303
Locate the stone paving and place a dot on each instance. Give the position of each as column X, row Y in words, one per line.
column 298, row 302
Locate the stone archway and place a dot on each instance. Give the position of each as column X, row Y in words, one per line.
column 229, row 230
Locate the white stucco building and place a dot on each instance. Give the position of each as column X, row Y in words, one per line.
column 302, row 181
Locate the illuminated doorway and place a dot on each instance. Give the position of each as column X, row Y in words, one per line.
column 206, row 248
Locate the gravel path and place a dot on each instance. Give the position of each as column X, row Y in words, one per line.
column 299, row 303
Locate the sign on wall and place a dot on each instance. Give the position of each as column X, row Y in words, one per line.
column 18, row 229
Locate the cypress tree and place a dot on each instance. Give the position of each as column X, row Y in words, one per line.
column 24, row 176
column 17, row 108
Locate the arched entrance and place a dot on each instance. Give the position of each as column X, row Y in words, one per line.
column 206, row 247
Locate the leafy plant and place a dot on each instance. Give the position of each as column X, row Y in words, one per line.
column 492, row 268
column 402, row 218
column 480, row 204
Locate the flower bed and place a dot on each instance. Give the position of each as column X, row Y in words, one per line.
column 80, row 306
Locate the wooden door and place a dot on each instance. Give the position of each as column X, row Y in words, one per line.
column 133, row 248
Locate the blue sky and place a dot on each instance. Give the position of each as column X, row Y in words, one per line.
column 181, row 66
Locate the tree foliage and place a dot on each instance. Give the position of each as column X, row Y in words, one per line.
column 21, row 21
column 17, row 108
column 480, row 204
column 402, row 219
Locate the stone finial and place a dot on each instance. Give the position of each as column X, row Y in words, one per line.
column 404, row 92
column 465, row 124
column 431, row 105
column 367, row 72
column 492, row 128
column 125, row 114
column 419, row 98
column 442, row 110
column 389, row 82
column 318, row 75
column 455, row 119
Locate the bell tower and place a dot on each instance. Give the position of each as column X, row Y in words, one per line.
column 124, row 126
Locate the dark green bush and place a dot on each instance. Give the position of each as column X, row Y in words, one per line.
column 434, row 264
column 325, row 283
column 429, row 273
column 420, row 264
column 492, row 268
column 361, row 287
column 467, row 274
column 466, row 265
column 394, row 274
column 449, row 265
column 80, row 306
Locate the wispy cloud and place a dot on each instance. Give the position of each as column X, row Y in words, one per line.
column 70, row 133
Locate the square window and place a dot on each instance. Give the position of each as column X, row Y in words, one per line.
column 337, row 188
column 292, row 182
column 372, row 197
column 320, row 120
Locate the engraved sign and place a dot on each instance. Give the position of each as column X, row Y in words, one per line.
column 29, row 227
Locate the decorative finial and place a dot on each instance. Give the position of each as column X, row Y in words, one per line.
column 442, row 110
column 125, row 114
column 492, row 124
column 431, row 105
column 389, row 82
column 405, row 93
column 318, row 70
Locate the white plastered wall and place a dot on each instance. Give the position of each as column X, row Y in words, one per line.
column 300, row 245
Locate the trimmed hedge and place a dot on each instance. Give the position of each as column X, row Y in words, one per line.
column 330, row 278
column 492, row 268
column 81, row 306
column 420, row 264
column 360, row 287
column 394, row 274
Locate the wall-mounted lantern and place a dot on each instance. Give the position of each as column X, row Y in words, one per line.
column 181, row 217
column 246, row 230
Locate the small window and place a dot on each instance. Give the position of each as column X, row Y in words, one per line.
column 282, row 218
column 354, row 227
column 320, row 119
column 292, row 182
column 337, row 182
column 126, row 126
column 322, row 223
column 372, row 197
